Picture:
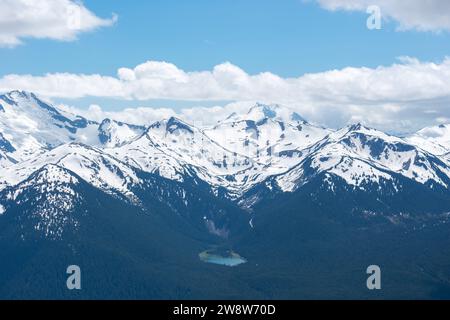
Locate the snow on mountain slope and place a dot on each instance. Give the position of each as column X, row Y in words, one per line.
column 113, row 133
column 435, row 140
column 5, row 145
column 50, row 197
column 174, row 148
column 29, row 126
column 272, row 135
column 32, row 126
column 236, row 154
column 190, row 144
column 362, row 156
column 91, row 164
column 5, row 149
column 6, row 160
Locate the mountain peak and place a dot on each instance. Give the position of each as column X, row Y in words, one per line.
column 112, row 133
column 263, row 110
column 363, row 132
column 441, row 130
column 434, row 139
column 52, row 173
column 357, row 127
column 18, row 93
column 296, row 117
column 106, row 122
column 174, row 124
column 362, row 128
column 15, row 96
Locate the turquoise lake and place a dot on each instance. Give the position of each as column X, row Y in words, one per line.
column 227, row 258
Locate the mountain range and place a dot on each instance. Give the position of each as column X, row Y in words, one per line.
column 307, row 206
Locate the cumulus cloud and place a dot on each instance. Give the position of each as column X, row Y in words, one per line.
column 404, row 95
column 430, row 15
column 407, row 80
column 53, row 19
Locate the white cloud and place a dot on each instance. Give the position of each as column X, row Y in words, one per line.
column 430, row 15
column 403, row 96
column 53, row 19
column 406, row 81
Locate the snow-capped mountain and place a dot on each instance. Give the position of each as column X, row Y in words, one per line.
column 184, row 143
column 269, row 134
column 266, row 182
column 175, row 164
column 435, row 140
column 29, row 126
column 50, row 196
column 113, row 133
column 93, row 165
column 363, row 156
column 174, row 149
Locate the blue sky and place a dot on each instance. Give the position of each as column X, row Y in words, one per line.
column 315, row 56
column 288, row 38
